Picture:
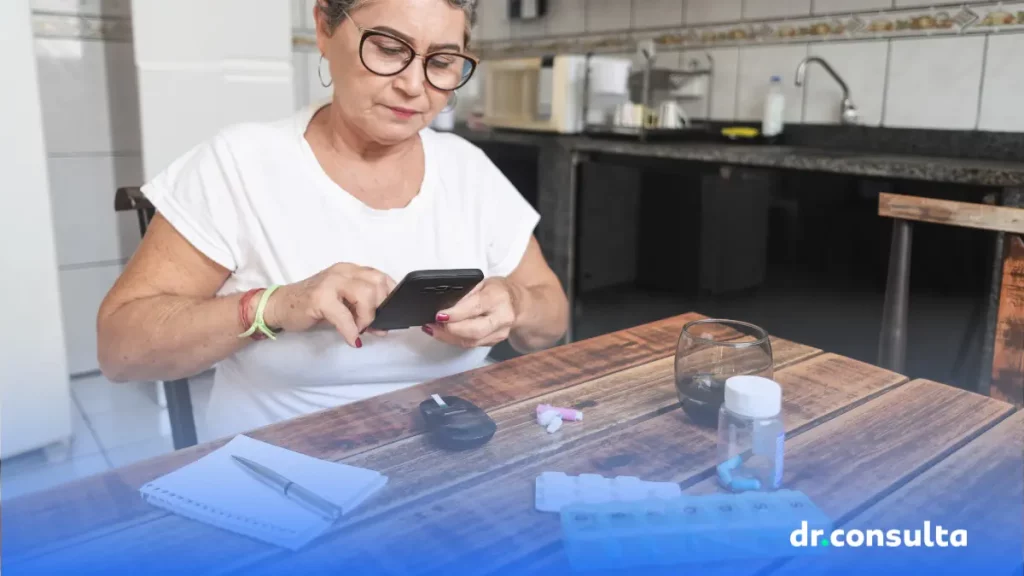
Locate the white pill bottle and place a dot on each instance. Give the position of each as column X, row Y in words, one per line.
column 751, row 435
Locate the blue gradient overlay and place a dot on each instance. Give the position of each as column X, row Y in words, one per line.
column 438, row 542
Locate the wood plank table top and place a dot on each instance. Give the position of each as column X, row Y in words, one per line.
column 871, row 448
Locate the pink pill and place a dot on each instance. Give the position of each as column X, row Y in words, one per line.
column 566, row 413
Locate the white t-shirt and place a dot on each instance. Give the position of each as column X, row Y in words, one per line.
column 255, row 200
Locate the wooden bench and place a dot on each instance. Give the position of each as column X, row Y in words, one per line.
column 1008, row 355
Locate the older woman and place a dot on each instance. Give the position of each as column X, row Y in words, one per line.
column 317, row 216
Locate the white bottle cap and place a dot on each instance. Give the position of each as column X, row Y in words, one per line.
column 753, row 396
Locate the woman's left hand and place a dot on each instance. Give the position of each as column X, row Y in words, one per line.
column 484, row 317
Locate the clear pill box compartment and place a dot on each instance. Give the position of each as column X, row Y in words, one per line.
column 690, row 529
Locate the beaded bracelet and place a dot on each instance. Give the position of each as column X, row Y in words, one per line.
column 257, row 324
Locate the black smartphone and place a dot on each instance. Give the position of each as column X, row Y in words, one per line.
column 421, row 295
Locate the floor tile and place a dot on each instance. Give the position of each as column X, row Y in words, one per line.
column 139, row 451
column 97, row 395
column 122, row 415
column 17, row 483
column 83, row 443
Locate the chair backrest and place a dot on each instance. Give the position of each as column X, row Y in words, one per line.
column 130, row 198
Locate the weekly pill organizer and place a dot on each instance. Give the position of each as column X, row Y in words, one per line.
column 689, row 529
column 624, row 522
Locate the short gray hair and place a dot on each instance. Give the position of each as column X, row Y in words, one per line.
column 334, row 11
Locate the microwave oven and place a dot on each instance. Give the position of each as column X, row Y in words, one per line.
column 543, row 93
column 561, row 94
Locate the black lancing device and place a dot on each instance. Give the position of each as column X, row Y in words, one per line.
column 456, row 424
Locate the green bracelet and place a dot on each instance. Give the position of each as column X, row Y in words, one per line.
column 258, row 323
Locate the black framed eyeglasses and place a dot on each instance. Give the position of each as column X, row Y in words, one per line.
column 388, row 55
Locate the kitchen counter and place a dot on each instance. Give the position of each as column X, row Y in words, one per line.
column 972, row 158
column 809, row 158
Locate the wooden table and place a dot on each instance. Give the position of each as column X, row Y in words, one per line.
column 869, row 447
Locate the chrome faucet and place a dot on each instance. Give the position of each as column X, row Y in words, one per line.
column 850, row 114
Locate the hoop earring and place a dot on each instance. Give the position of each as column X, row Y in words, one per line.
column 452, row 102
column 320, row 73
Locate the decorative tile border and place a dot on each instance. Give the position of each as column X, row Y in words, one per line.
column 106, row 28
column 885, row 24
column 949, row 20
column 1001, row 18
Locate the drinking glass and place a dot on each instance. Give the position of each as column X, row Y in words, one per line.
column 708, row 353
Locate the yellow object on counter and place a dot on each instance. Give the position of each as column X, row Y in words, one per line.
column 740, row 132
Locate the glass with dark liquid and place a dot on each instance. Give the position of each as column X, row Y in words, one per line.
column 710, row 352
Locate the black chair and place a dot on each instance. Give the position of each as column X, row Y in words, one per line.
column 179, row 398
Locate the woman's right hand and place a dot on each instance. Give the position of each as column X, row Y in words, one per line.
column 344, row 295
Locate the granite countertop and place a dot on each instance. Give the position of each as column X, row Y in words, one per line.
column 808, row 158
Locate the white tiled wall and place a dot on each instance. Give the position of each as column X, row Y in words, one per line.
column 723, row 85
column 82, row 81
column 528, row 28
column 232, row 72
column 833, row 6
column 949, row 82
column 658, row 13
column 494, row 24
column 862, row 66
column 89, row 232
column 1004, row 85
column 563, row 17
column 754, row 9
column 707, row 11
column 934, row 82
column 912, row 3
column 757, row 66
column 603, row 15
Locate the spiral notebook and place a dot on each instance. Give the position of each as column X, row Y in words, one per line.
column 217, row 491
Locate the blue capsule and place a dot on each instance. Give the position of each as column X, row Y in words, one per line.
column 743, row 484
column 725, row 467
column 731, row 464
